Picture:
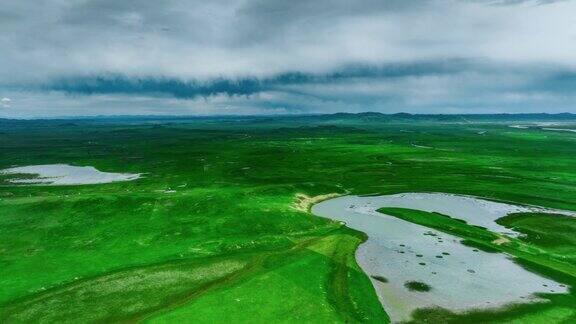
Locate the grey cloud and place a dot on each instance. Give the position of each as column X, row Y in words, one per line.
column 177, row 38
column 524, row 47
column 471, row 88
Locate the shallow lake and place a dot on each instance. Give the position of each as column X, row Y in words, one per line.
column 64, row 174
column 461, row 277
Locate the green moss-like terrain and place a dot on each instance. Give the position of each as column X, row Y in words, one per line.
column 210, row 232
column 417, row 286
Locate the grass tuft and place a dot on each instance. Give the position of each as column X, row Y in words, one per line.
column 417, row 286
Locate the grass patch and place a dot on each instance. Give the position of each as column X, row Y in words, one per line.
column 550, row 232
column 480, row 246
column 417, row 286
column 559, row 310
column 380, row 278
column 89, row 300
column 441, row 222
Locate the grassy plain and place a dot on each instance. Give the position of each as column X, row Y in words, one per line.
column 555, row 234
column 211, row 233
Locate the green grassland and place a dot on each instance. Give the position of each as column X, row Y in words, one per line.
column 555, row 234
column 210, row 233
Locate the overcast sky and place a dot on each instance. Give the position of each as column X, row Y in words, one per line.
column 110, row 57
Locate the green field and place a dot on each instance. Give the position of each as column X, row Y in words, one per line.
column 212, row 232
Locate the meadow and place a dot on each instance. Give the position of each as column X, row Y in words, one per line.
column 213, row 230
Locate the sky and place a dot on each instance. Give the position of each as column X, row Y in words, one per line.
column 242, row 57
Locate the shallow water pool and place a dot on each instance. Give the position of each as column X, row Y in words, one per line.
column 64, row 174
column 461, row 277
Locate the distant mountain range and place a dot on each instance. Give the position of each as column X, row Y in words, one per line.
column 312, row 118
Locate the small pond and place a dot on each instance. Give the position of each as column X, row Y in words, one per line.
column 63, row 174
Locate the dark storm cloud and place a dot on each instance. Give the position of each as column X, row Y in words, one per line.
column 247, row 86
column 256, row 56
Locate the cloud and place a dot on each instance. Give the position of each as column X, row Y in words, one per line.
column 5, row 102
column 296, row 50
column 465, row 87
column 114, row 83
column 262, row 38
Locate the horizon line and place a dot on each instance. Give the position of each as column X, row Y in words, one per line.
column 71, row 117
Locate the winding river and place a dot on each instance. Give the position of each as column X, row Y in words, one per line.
column 460, row 277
